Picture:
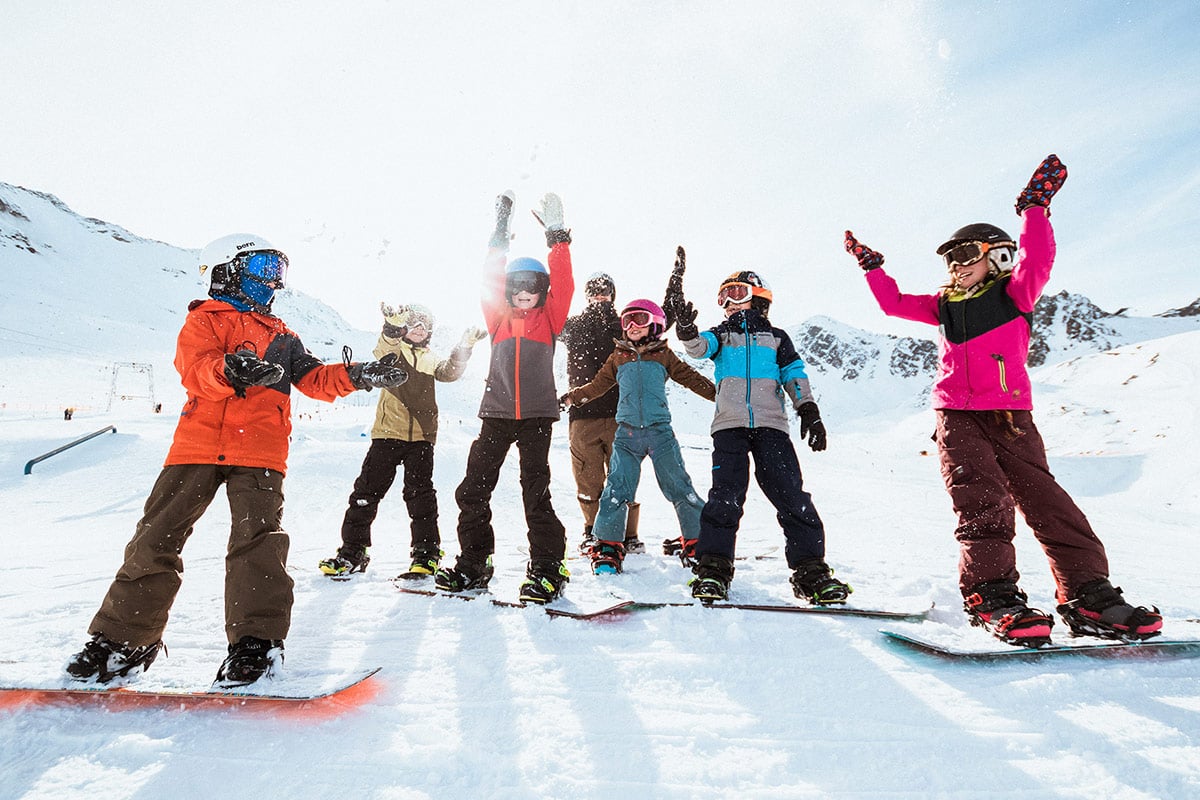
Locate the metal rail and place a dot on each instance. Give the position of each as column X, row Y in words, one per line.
column 29, row 464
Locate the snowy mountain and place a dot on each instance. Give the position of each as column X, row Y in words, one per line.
column 676, row 703
column 96, row 294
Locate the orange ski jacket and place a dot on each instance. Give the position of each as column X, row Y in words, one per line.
column 218, row 427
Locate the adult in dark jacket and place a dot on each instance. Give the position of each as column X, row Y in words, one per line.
column 590, row 337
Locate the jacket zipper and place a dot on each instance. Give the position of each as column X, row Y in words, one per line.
column 1003, row 376
column 746, row 335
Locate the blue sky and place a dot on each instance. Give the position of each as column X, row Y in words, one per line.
column 369, row 143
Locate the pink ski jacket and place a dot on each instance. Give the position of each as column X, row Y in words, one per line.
column 983, row 339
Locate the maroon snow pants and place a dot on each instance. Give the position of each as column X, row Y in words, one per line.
column 992, row 467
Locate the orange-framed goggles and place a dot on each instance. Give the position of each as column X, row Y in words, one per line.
column 969, row 252
column 734, row 293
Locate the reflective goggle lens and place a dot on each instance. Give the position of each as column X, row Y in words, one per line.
column 269, row 268
column 965, row 253
column 635, row 319
column 734, row 293
column 529, row 284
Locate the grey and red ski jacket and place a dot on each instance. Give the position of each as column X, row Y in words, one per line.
column 520, row 382
column 984, row 336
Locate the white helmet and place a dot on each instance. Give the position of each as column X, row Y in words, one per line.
column 227, row 248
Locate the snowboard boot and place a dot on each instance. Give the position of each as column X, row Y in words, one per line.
column 588, row 540
column 713, row 576
column 633, row 513
column 1099, row 609
column 425, row 560
column 250, row 659
column 102, row 659
column 464, row 575
column 350, row 558
column 544, row 581
column 1000, row 607
column 607, row 558
column 813, row 581
column 685, row 549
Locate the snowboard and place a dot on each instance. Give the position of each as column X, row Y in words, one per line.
column 562, row 607
column 979, row 647
column 837, row 610
column 278, row 690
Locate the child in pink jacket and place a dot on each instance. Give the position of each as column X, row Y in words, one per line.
column 992, row 456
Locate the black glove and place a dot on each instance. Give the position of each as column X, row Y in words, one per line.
column 685, row 321
column 868, row 259
column 674, row 295
column 1045, row 183
column 381, row 374
column 244, row 369
column 811, row 427
column 564, row 401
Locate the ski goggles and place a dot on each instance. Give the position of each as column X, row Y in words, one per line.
column 636, row 319
column 969, row 252
column 418, row 323
column 533, row 283
column 734, row 293
column 265, row 267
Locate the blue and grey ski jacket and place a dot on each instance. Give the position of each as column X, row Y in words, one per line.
column 757, row 367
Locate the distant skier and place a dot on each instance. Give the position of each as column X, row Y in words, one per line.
column 640, row 365
column 525, row 306
column 406, row 421
column 238, row 364
column 757, row 372
column 992, row 456
column 590, row 337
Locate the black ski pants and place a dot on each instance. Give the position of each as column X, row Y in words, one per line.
column 777, row 472
column 383, row 459
column 476, row 537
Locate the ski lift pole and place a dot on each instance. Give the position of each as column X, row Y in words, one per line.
column 29, row 464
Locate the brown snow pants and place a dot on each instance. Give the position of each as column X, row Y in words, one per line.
column 258, row 590
column 591, row 451
column 991, row 467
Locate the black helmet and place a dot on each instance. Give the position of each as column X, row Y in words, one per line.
column 977, row 232
column 600, row 283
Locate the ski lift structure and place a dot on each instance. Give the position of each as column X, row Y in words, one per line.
column 131, row 368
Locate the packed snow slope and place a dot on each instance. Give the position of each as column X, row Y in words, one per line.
column 479, row 701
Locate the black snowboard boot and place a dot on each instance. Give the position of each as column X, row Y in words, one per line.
column 1000, row 607
column 813, row 581
column 587, row 540
column 464, row 575
column 544, row 581
column 102, row 659
column 250, row 659
column 1099, row 609
column 350, row 558
column 713, row 576
column 425, row 560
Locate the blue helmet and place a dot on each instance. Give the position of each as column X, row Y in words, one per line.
column 526, row 275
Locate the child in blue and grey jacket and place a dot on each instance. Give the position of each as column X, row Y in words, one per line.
column 757, row 369
column 640, row 366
